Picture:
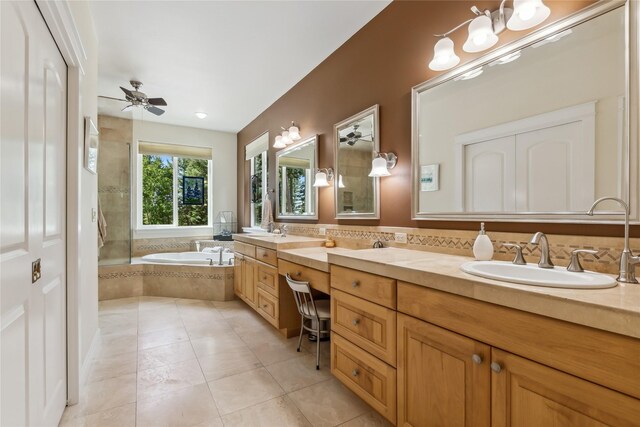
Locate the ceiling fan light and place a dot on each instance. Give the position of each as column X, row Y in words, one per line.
column 481, row 35
column 201, row 115
column 294, row 133
column 444, row 56
column 527, row 14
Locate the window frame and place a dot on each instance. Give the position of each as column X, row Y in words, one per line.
column 174, row 226
column 265, row 174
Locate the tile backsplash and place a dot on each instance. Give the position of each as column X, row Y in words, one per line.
column 460, row 242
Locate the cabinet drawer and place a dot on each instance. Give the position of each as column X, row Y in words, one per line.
column 244, row 249
column 371, row 287
column 318, row 280
column 267, row 278
column 374, row 381
column 268, row 256
column 267, row 306
column 365, row 324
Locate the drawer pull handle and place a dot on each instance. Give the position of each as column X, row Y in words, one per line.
column 355, row 373
column 355, row 284
column 477, row 359
column 355, row 322
column 265, row 306
column 496, row 367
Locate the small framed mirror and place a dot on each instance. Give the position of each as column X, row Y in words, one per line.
column 296, row 197
column 356, row 193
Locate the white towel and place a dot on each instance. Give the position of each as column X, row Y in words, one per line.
column 267, row 213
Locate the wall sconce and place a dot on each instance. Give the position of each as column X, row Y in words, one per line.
column 340, row 182
column 323, row 176
column 485, row 27
column 382, row 163
column 279, row 143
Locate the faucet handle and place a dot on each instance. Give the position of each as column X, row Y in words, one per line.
column 574, row 264
column 519, row 259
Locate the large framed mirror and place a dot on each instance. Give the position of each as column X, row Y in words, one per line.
column 535, row 130
column 296, row 198
column 356, row 193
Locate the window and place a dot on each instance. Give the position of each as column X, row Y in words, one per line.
column 258, row 187
column 173, row 186
column 256, row 155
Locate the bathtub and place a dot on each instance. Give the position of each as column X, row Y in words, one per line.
column 188, row 258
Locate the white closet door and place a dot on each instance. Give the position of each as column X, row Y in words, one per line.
column 32, row 210
column 490, row 175
column 555, row 170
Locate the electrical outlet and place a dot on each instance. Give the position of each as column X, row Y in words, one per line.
column 322, row 231
column 400, row 237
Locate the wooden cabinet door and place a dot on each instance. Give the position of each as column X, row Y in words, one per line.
column 526, row 393
column 249, row 282
column 237, row 274
column 439, row 382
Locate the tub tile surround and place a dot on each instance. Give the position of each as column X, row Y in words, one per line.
column 193, row 281
column 177, row 381
column 460, row 242
column 142, row 247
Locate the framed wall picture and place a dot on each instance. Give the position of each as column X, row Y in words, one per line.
column 91, row 144
column 429, row 180
column 193, row 190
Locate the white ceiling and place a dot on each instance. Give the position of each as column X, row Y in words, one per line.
column 230, row 59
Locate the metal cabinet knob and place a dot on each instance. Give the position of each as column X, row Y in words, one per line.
column 355, row 284
column 477, row 359
column 496, row 367
column 355, row 322
column 355, row 373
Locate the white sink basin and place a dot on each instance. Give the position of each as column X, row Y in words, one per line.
column 531, row 274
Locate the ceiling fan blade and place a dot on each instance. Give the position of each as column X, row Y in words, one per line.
column 110, row 97
column 343, row 139
column 154, row 110
column 157, row 101
column 127, row 107
column 127, row 92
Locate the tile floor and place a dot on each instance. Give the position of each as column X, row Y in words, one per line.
column 176, row 362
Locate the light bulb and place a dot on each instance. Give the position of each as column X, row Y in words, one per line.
column 285, row 138
column 340, row 182
column 279, row 143
column 321, row 180
column 201, row 115
column 527, row 11
column 481, row 35
column 379, row 167
column 444, row 56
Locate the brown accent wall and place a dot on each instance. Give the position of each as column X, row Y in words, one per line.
column 379, row 65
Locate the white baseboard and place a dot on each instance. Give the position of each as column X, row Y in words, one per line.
column 85, row 370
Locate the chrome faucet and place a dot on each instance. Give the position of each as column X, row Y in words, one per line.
column 220, row 258
column 541, row 238
column 628, row 261
column 283, row 230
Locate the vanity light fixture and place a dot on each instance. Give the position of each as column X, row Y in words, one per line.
column 286, row 139
column 481, row 35
column 340, row 182
column 507, row 58
column 201, row 115
column 294, row 132
column 485, row 27
column 278, row 143
column 381, row 164
column 444, row 56
column 527, row 14
column 323, row 176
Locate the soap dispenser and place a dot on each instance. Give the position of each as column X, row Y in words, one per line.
column 482, row 247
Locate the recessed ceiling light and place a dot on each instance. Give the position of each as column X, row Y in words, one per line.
column 201, row 115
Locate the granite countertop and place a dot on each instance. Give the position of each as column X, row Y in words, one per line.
column 276, row 241
column 615, row 309
column 314, row 257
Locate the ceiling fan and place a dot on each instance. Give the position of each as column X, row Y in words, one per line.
column 137, row 98
column 354, row 136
